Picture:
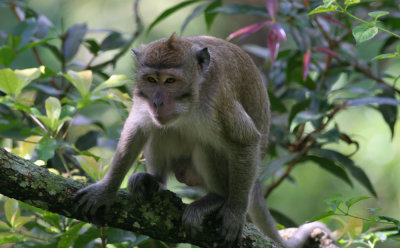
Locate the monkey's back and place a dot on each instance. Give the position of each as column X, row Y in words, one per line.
column 237, row 76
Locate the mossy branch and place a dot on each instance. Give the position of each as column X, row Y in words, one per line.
column 159, row 218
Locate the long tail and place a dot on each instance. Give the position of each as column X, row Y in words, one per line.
column 262, row 218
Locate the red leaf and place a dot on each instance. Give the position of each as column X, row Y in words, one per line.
column 306, row 64
column 306, row 4
column 278, row 31
column 273, row 45
column 243, row 32
column 331, row 19
column 326, row 51
column 272, row 7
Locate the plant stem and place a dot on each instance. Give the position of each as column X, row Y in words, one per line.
column 365, row 22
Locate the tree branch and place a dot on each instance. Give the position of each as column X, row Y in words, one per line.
column 159, row 218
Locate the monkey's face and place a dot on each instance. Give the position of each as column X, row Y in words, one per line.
column 168, row 73
column 167, row 94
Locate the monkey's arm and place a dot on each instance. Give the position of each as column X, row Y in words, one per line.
column 102, row 193
column 244, row 141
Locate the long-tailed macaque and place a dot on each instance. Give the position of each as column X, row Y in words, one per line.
column 200, row 111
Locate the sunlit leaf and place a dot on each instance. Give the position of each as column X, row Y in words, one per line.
column 53, row 110
column 81, row 80
column 272, row 7
column 351, row 2
column 27, row 76
column 113, row 82
column 89, row 165
column 170, row 11
column 8, row 81
column 377, row 14
column 386, row 56
column 322, row 9
column 363, row 33
column 4, row 226
column 11, row 210
column 22, row 220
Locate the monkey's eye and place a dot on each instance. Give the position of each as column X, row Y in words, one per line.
column 170, row 80
column 151, row 80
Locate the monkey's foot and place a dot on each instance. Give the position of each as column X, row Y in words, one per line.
column 195, row 213
column 143, row 185
column 232, row 225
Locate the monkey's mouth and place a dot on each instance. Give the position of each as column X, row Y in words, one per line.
column 164, row 119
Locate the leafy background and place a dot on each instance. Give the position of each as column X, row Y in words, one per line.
column 302, row 91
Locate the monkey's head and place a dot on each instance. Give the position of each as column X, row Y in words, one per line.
column 168, row 75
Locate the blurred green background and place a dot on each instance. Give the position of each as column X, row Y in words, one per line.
column 379, row 153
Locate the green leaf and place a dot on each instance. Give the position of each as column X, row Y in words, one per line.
column 241, row 9
column 346, row 162
column 332, row 167
column 46, row 148
column 26, row 76
column 4, row 226
column 70, row 235
column 81, row 80
column 271, row 169
column 89, row 165
column 22, row 220
column 354, row 200
column 323, row 215
column 52, row 219
column 373, row 100
column 53, row 111
column 92, row 45
column 11, row 210
column 386, row 56
column 74, row 38
column 25, row 29
column 7, row 55
column 351, row 2
column 34, row 44
column 398, row 49
column 170, row 11
column 113, row 82
column 8, row 81
column 377, row 14
column 364, row 32
column 113, row 41
column 195, row 13
column 322, row 9
column 367, row 225
column 305, row 116
column 208, row 16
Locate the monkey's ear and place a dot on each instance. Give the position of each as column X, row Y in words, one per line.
column 203, row 58
column 172, row 40
column 136, row 52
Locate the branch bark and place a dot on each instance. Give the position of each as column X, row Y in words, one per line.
column 159, row 218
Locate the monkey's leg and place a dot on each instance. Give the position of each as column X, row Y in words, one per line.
column 143, row 185
column 194, row 214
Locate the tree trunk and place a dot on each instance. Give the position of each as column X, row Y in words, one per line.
column 159, row 218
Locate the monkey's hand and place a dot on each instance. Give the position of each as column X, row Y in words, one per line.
column 92, row 198
column 233, row 220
